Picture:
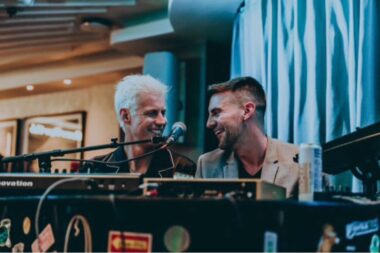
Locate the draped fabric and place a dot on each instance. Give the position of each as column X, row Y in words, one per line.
column 318, row 62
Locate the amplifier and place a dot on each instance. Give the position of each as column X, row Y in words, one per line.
column 189, row 188
column 32, row 183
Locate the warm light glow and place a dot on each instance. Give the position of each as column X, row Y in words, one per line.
column 67, row 82
column 8, row 144
column 40, row 129
column 29, row 87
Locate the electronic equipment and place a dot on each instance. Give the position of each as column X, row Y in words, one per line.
column 199, row 225
column 32, row 183
column 359, row 152
column 193, row 188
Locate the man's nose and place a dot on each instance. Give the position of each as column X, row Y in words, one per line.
column 160, row 119
column 211, row 123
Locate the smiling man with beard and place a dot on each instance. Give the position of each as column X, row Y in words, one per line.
column 140, row 108
column 236, row 115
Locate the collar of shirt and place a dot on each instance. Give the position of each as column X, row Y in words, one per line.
column 160, row 166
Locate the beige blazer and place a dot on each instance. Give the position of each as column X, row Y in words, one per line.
column 279, row 166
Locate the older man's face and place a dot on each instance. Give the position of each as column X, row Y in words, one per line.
column 225, row 119
column 149, row 119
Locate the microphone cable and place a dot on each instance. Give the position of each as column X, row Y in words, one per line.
column 41, row 201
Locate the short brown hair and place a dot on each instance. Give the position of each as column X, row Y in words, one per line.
column 247, row 85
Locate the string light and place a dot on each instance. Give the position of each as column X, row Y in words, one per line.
column 29, row 87
column 67, row 82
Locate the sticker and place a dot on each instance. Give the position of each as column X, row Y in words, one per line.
column 26, row 224
column 129, row 242
column 359, row 228
column 177, row 239
column 375, row 244
column 18, row 248
column 350, row 248
column 328, row 239
column 5, row 228
column 270, row 241
column 44, row 241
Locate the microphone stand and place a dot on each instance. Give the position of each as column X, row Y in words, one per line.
column 44, row 158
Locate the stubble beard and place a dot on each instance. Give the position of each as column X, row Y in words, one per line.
column 228, row 140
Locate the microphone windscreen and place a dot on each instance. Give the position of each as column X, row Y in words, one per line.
column 180, row 125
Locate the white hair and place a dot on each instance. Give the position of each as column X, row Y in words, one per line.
column 131, row 88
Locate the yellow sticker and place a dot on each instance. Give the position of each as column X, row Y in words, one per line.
column 129, row 242
column 26, row 224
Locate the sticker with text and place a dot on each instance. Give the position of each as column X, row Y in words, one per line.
column 359, row 228
column 129, row 242
column 44, row 241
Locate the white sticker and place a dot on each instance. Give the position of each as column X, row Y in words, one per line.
column 270, row 241
column 18, row 248
column 359, row 228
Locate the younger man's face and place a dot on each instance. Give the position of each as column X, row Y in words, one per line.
column 225, row 119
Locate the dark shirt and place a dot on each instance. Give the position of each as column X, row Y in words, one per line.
column 164, row 163
column 244, row 174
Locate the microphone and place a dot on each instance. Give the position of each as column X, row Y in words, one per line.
column 178, row 130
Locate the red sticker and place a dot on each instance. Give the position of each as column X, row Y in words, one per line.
column 44, row 241
column 129, row 242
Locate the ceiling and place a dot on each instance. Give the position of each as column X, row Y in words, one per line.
column 43, row 42
column 76, row 83
column 93, row 42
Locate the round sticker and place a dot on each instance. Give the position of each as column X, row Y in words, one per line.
column 177, row 239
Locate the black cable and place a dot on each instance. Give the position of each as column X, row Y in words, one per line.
column 59, row 152
column 110, row 163
column 231, row 198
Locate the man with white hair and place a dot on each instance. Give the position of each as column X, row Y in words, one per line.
column 140, row 108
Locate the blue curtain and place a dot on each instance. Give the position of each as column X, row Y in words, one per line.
column 317, row 61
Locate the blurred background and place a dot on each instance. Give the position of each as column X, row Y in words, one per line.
column 60, row 61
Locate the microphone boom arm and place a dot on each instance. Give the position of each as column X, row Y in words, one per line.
column 44, row 158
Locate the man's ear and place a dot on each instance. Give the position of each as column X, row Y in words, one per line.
column 125, row 116
column 249, row 110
